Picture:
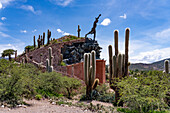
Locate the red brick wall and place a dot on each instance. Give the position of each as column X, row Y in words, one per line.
column 100, row 70
column 78, row 70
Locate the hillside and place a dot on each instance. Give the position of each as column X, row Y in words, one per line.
column 159, row 65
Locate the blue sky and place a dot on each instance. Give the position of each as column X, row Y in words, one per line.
column 148, row 20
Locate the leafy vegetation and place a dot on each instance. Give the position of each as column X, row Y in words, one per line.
column 26, row 81
column 70, row 85
column 146, row 91
column 8, row 53
column 102, row 94
column 38, row 97
column 63, row 63
column 30, row 48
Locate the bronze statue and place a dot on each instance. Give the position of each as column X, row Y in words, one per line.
column 93, row 30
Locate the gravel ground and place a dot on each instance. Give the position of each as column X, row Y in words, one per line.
column 43, row 106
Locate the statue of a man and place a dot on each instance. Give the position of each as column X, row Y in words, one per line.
column 93, row 30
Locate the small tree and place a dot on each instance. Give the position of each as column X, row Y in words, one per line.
column 8, row 52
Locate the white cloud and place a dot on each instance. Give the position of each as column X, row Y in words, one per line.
column 165, row 34
column 62, row 32
column 61, row 2
column 106, row 22
column 151, row 56
column 162, row 37
column 3, row 18
column 4, row 3
column 34, row 30
column 124, row 16
column 4, row 35
column 23, row 31
column 0, row 5
column 66, row 34
column 29, row 8
column 16, row 46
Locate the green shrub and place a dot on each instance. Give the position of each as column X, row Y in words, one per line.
column 50, row 84
column 127, row 110
column 70, row 85
column 38, row 97
column 16, row 82
column 101, row 94
column 63, row 64
column 26, row 81
column 145, row 92
column 30, row 48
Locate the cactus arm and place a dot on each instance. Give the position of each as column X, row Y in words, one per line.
column 86, row 68
column 114, row 66
column 126, row 50
column 50, row 55
column 96, row 82
column 123, row 64
column 34, row 42
column 89, row 60
column 90, row 77
column 43, row 38
column 116, row 42
column 93, row 75
column 47, row 65
column 166, row 66
column 110, row 63
column 119, row 66
column 50, row 68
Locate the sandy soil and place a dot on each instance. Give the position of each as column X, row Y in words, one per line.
column 43, row 106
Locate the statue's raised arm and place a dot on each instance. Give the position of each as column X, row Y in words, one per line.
column 98, row 16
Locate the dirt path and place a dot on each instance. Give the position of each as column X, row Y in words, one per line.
column 43, row 106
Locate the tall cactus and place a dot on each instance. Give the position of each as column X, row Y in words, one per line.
column 47, row 65
column 48, row 36
column 43, row 38
column 166, row 66
column 90, row 72
column 116, row 42
column 15, row 54
column 118, row 63
column 50, row 56
column 110, row 64
column 34, row 42
column 49, row 62
column 126, row 51
column 39, row 41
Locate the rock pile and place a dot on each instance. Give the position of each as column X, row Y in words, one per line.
column 74, row 53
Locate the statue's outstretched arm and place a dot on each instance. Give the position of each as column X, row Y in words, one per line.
column 98, row 16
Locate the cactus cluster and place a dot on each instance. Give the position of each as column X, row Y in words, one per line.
column 118, row 63
column 166, row 66
column 49, row 62
column 41, row 39
column 90, row 72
